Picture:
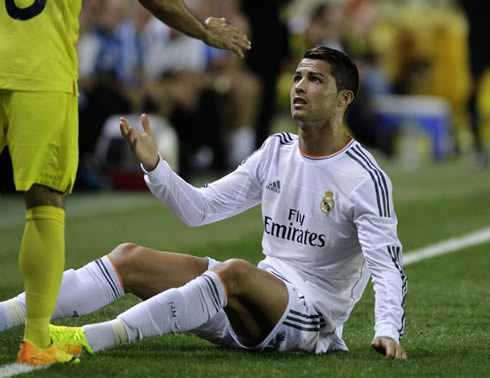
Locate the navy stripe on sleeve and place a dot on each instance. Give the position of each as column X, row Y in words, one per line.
column 380, row 176
column 395, row 257
column 285, row 138
column 376, row 187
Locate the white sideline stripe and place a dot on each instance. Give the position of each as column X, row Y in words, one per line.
column 447, row 246
column 16, row 369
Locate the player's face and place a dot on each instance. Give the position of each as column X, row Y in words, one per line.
column 314, row 91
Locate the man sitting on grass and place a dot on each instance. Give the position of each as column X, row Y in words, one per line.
column 329, row 223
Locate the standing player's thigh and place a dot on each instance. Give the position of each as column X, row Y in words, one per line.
column 42, row 137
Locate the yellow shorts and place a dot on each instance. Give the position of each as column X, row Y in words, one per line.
column 41, row 132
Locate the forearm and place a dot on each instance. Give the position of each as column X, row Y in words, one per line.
column 195, row 207
column 183, row 199
column 382, row 253
column 390, row 286
column 177, row 15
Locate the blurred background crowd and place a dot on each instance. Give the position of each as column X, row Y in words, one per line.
column 425, row 84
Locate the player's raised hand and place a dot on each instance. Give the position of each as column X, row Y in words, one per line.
column 143, row 145
column 223, row 36
column 389, row 348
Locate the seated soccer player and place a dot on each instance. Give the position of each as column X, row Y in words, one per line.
column 328, row 220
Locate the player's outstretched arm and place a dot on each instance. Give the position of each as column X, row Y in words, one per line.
column 214, row 32
column 389, row 348
column 143, row 145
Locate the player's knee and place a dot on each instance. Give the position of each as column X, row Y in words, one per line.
column 234, row 273
column 40, row 195
column 125, row 257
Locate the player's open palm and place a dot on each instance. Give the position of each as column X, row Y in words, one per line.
column 143, row 145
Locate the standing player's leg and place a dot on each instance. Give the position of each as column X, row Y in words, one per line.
column 42, row 259
column 43, row 142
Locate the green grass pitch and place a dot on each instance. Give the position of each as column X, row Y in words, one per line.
column 447, row 309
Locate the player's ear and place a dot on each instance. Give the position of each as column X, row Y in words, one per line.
column 345, row 97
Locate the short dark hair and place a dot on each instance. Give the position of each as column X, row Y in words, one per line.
column 342, row 68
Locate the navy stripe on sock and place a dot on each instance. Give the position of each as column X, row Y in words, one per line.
column 215, row 288
column 118, row 288
column 213, row 292
column 107, row 277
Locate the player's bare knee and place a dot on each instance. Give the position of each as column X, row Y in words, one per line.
column 234, row 273
column 40, row 195
column 125, row 257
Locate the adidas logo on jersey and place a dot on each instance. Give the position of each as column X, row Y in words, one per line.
column 274, row 186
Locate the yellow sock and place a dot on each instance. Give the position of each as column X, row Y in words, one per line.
column 42, row 261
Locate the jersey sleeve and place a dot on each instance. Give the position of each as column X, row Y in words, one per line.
column 376, row 223
column 231, row 195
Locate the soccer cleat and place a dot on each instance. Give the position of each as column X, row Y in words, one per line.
column 29, row 354
column 70, row 339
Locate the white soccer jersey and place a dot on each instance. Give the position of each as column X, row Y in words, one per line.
column 328, row 222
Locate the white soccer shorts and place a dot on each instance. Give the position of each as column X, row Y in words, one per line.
column 298, row 330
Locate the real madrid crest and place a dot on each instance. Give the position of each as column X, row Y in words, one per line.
column 327, row 204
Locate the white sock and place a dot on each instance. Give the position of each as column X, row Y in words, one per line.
column 82, row 291
column 105, row 335
column 12, row 314
column 3, row 318
column 174, row 310
column 88, row 289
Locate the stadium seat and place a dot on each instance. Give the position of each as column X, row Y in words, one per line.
column 431, row 115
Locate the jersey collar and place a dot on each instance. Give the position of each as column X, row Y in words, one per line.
column 329, row 156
